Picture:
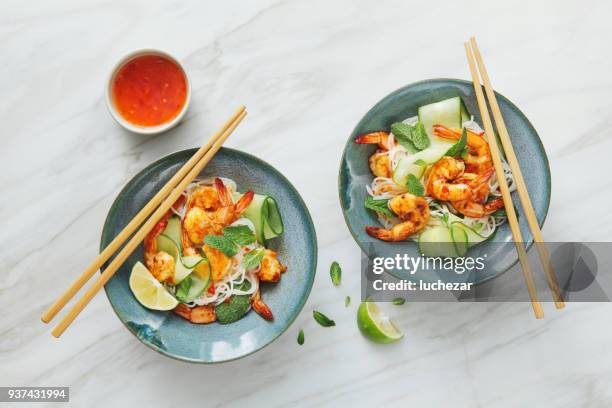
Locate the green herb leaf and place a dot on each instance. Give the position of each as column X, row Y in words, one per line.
column 380, row 206
column 322, row 319
column 403, row 134
column 336, row 273
column 182, row 289
column 457, row 149
column 300, row 338
column 414, row 186
column 252, row 259
column 240, row 234
column 398, row 301
column 413, row 138
column 420, row 162
column 222, row 243
column 347, row 301
column 234, row 308
column 419, row 137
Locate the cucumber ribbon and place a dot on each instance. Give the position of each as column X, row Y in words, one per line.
column 265, row 215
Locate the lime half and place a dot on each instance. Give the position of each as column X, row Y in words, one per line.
column 375, row 325
column 148, row 291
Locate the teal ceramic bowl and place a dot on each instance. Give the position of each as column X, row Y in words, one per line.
column 212, row 343
column 355, row 175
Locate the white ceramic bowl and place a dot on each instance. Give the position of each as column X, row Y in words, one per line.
column 145, row 130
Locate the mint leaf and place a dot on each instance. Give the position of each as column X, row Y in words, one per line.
column 252, row 259
column 413, row 138
column 336, row 273
column 222, row 243
column 419, row 139
column 240, row 234
column 414, row 186
column 457, row 149
column 182, row 289
column 347, row 301
column 300, row 338
column 380, row 206
column 403, row 134
column 322, row 319
column 398, row 301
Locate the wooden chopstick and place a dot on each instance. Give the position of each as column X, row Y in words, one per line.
column 134, row 223
column 523, row 194
column 503, row 186
column 144, row 230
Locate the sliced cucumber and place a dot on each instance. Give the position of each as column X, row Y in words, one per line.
column 168, row 245
column 197, row 287
column 183, row 266
column 404, row 168
column 437, row 242
column 264, row 214
column 173, row 230
column 473, row 237
column 449, row 112
column 460, row 239
column 465, row 115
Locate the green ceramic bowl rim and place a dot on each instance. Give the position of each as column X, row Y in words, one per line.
column 309, row 283
column 511, row 105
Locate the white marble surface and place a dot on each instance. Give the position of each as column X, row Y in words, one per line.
column 307, row 71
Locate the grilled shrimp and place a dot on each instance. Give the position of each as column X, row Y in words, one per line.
column 199, row 314
column 199, row 222
column 260, row 307
column 160, row 264
column 478, row 206
column 478, row 160
column 380, row 164
column 440, row 183
column 413, row 212
column 204, row 197
column 219, row 263
column 271, row 268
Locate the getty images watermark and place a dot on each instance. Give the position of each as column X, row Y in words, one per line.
column 486, row 273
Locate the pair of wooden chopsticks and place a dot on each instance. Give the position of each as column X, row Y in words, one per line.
column 158, row 206
column 475, row 58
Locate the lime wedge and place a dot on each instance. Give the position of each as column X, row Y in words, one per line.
column 375, row 325
column 148, row 291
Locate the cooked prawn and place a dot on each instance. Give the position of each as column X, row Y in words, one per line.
column 380, row 164
column 160, row 263
column 478, row 160
column 413, row 213
column 270, row 268
column 199, row 222
column 440, row 183
column 220, row 264
column 478, row 206
column 199, row 314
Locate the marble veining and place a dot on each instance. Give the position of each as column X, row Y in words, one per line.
column 307, row 71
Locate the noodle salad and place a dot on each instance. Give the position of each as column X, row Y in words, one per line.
column 434, row 181
column 206, row 258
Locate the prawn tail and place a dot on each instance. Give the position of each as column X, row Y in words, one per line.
column 380, row 233
column 379, row 138
column 494, row 205
column 260, row 307
column 244, row 201
column 224, row 195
